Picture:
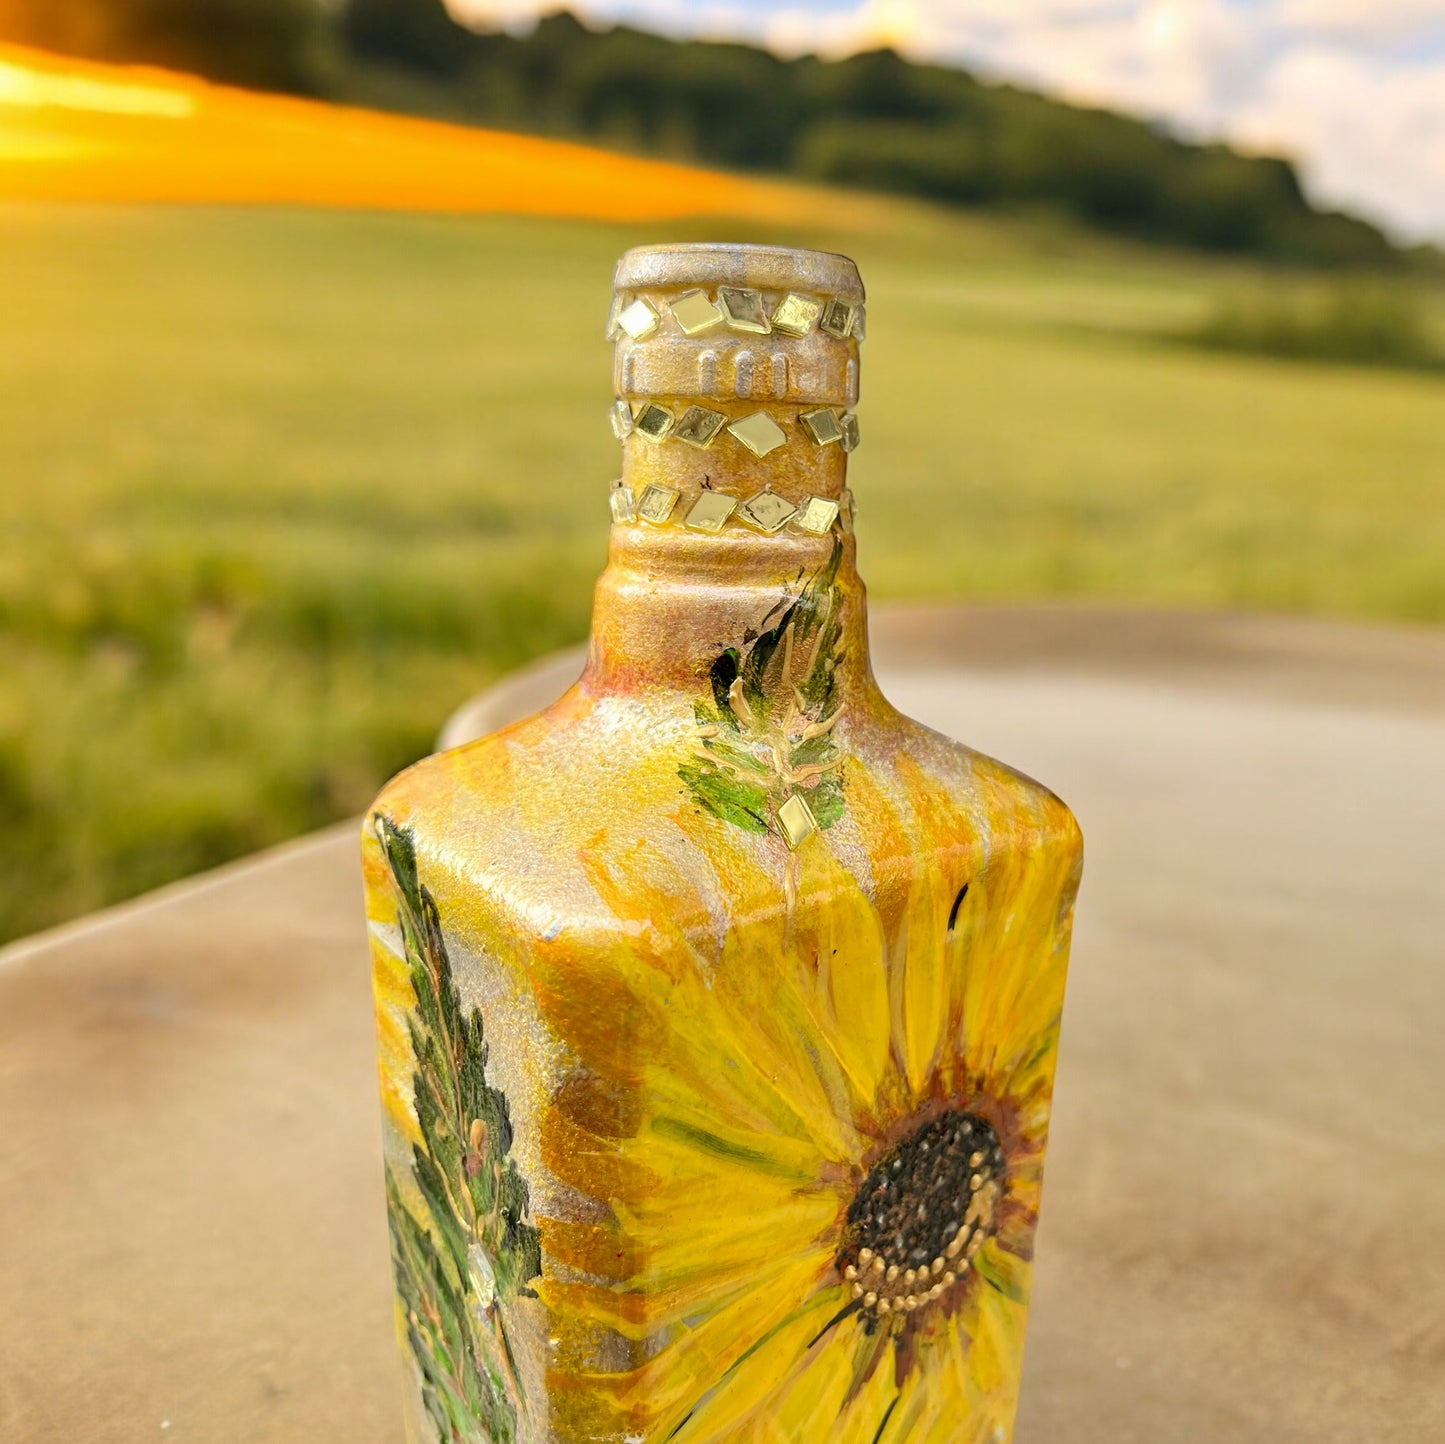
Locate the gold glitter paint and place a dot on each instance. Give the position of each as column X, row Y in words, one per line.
column 719, row 948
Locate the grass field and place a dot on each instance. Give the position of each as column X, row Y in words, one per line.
column 279, row 489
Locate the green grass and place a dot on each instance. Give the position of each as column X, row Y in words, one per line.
column 1375, row 321
column 279, row 489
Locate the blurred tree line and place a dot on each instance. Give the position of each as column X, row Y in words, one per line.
column 874, row 120
column 275, row 44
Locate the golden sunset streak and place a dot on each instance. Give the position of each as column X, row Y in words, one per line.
column 79, row 130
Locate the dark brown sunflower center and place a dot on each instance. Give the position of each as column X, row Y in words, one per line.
column 923, row 1213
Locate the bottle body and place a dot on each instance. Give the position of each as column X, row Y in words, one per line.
column 718, row 1008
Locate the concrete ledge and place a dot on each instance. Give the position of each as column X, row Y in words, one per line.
column 1356, row 664
column 1244, row 1232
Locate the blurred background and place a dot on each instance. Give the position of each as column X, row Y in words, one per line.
column 303, row 384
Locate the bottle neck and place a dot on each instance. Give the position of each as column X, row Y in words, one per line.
column 673, row 603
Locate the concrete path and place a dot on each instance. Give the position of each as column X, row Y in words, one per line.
column 1244, row 1227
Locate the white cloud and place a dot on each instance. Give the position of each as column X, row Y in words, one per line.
column 1374, row 135
column 1370, row 22
column 515, row 15
column 1354, row 90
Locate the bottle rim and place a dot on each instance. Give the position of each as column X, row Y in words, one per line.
column 730, row 263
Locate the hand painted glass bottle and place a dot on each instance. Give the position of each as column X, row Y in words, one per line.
column 718, row 1004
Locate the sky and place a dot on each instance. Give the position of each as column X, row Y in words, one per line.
column 1352, row 90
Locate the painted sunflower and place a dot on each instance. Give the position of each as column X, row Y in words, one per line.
column 813, row 1149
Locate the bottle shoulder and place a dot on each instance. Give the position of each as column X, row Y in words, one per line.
column 969, row 774
column 529, row 820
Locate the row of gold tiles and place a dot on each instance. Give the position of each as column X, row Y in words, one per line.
column 710, row 511
column 760, row 433
column 739, row 308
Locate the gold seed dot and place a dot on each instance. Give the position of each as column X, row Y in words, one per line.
column 878, row 1265
column 909, row 1277
column 975, row 1160
column 953, row 1249
column 973, row 1243
column 857, row 1291
column 850, row 1273
column 937, row 1265
column 870, row 1299
column 949, row 1279
column 935, row 1291
column 864, row 1254
column 892, row 1272
column 884, row 1306
column 976, row 1182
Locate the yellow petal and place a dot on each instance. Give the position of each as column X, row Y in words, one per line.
column 811, row 1407
column 872, row 1399
column 849, row 1001
column 737, row 1397
column 1014, row 950
column 931, row 981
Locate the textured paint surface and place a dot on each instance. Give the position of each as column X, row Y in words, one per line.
column 701, row 1084
column 718, row 1008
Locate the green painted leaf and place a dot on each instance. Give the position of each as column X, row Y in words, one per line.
column 826, row 800
column 724, row 797
column 461, row 1266
column 787, row 671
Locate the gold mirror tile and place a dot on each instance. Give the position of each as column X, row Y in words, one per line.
column 620, row 418
column 743, row 309
column 860, row 321
column 796, row 315
column 613, row 312
column 640, row 319
column 621, row 502
column 654, row 421
column 822, row 426
column 698, row 426
column 796, row 819
column 816, row 515
column 710, row 511
column 695, row 313
column 759, row 433
column 767, row 511
column 837, row 318
column 657, row 503
column 849, row 424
